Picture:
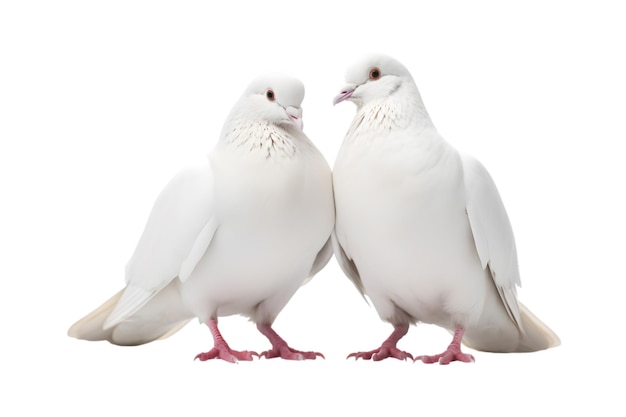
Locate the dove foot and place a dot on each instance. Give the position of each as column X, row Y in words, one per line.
column 381, row 353
column 221, row 350
column 452, row 353
column 388, row 349
column 286, row 352
column 280, row 349
column 227, row 354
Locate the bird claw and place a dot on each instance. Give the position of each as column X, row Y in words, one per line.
column 285, row 352
column 447, row 357
column 227, row 354
column 452, row 353
column 381, row 353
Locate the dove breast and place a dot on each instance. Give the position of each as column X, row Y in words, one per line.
column 277, row 211
column 421, row 228
column 384, row 184
column 237, row 233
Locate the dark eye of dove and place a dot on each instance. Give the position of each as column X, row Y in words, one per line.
column 270, row 95
column 374, row 74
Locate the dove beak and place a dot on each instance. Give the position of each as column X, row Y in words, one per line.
column 345, row 94
column 295, row 114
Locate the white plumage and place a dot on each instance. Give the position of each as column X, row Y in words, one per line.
column 420, row 228
column 237, row 233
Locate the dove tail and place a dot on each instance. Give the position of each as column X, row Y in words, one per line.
column 537, row 336
column 150, row 323
column 90, row 327
column 501, row 335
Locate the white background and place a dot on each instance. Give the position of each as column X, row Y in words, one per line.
column 101, row 103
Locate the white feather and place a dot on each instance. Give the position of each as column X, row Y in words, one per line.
column 492, row 233
column 236, row 233
column 420, row 229
column 178, row 231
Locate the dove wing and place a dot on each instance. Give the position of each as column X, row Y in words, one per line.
column 321, row 259
column 347, row 265
column 178, row 232
column 492, row 233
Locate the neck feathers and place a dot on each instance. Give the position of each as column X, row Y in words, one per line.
column 402, row 109
column 263, row 138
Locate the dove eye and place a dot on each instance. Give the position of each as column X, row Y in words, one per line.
column 270, row 95
column 374, row 73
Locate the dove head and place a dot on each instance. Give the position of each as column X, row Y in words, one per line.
column 373, row 77
column 273, row 98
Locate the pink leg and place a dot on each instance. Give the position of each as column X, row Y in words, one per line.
column 221, row 349
column 388, row 349
column 280, row 349
column 453, row 353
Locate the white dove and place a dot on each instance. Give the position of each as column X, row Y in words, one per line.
column 237, row 233
column 420, row 228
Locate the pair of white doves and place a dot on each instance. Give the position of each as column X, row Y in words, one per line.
column 417, row 226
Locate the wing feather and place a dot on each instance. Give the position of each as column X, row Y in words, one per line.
column 320, row 261
column 493, row 234
column 347, row 265
column 178, row 232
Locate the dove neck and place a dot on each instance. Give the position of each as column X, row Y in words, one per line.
column 258, row 137
column 402, row 109
column 421, row 115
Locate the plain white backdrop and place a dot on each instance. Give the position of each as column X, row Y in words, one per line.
column 102, row 102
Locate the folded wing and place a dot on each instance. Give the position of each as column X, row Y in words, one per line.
column 492, row 233
column 179, row 230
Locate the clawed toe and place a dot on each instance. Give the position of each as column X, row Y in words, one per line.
column 227, row 354
column 285, row 352
column 446, row 358
column 381, row 353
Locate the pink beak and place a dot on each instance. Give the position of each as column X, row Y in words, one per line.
column 296, row 121
column 295, row 114
column 344, row 95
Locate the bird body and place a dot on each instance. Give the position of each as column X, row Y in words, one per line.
column 236, row 233
column 411, row 214
column 261, row 254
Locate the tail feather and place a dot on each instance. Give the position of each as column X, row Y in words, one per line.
column 174, row 329
column 537, row 335
column 498, row 333
column 151, row 322
column 91, row 326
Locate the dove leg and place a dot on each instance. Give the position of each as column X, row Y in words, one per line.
column 452, row 353
column 388, row 349
column 280, row 349
column 221, row 350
